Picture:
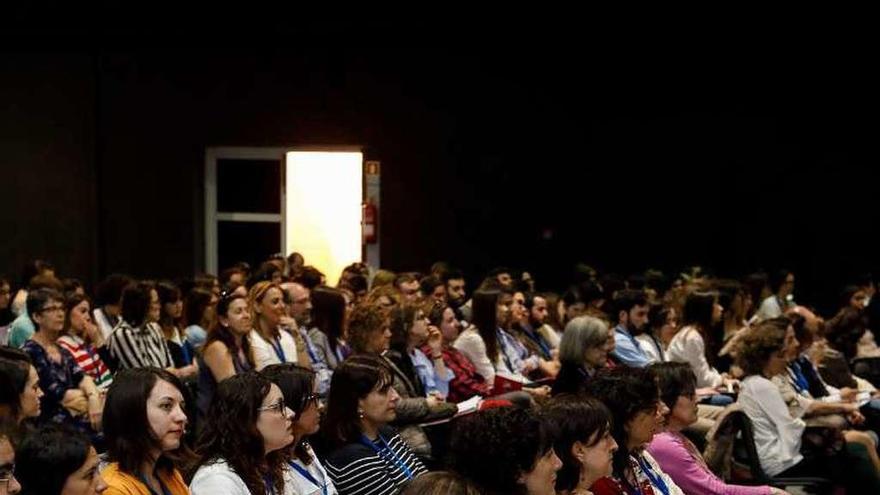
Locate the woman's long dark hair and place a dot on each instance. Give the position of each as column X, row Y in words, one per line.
column 296, row 384
column 48, row 456
column 14, row 371
column 697, row 312
column 402, row 321
column 218, row 332
column 230, row 433
column 353, row 380
column 168, row 294
column 328, row 313
column 126, row 427
column 571, row 419
column 626, row 392
column 485, row 318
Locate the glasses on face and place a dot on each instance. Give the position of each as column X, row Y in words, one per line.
column 278, row 407
column 52, row 308
column 311, row 399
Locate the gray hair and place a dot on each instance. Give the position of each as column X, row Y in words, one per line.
column 581, row 333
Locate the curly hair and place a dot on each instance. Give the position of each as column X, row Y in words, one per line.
column 230, row 433
column 626, row 392
column 759, row 344
column 494, row 448
column 364, row 322
column 573, row 419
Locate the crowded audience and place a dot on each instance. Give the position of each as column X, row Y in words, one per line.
column 272, row 381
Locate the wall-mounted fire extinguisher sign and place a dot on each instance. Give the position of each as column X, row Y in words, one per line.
column 370, row 222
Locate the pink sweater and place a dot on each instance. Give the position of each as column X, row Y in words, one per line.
column 691, row 474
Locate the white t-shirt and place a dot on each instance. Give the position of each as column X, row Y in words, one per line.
column 266, row 353
column 212, row 479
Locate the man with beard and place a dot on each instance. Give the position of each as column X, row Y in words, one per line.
column 456, row 296
column 631, row 311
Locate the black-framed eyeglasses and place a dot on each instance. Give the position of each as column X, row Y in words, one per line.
column 278, row 407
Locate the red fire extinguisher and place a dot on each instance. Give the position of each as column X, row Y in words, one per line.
column 370, row 222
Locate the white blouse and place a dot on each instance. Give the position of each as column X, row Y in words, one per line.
column 297, row 484
column 471, row 344
column 688, row 347
column 777, row 434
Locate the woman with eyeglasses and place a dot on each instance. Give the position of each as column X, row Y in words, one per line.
column 242, row 448
column 227, row 351
column 368, row 457
column 271, row 344
column 632, row 396
column 674, row 452
column 144, row 422
column 71, row 396
column 304, row 473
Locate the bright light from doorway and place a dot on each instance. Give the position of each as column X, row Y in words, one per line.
column 323, row 209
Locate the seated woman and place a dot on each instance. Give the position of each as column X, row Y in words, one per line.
column 20, row 391
column 170, row 315
column 632, row 397
column 328, row 325
column 57, row 461
column 84, row 341
column 482, row 344
column 144, row 420
column 762, row 355
column 369, row 334
column 227, row 352
column 693, row 343
column 198, row 316
column 662, row 327
column 524, row 324
column 581, row 431
column 505, row 451
column 137, row 342
column 71, row 396
column 582, row 351
column 270, row 344
column 410, row 329
column 675, row 454
column 242, row 448
column 303, row 472
column 466, row 382
column 367, row 457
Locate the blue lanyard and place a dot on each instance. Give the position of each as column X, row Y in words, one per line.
column 502, row 344
column 307, row 475
column 309, row 348
column 656, row 480
column 800, row 381
column 279, row 351
column 393, row 457
column 538, row 340
column 150, row 488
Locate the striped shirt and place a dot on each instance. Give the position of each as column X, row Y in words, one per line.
column 361, row 469
column 139, row 347
column 86, row 356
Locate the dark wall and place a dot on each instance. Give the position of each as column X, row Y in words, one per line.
column 492, row 153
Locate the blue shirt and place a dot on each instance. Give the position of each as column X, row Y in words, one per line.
column 514, row 355
column 323, row 373
column 430, row 379
column 628, row 350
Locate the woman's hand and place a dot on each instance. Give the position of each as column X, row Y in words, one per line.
column 435, row 340
column 75, row 401
column 96, row 411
